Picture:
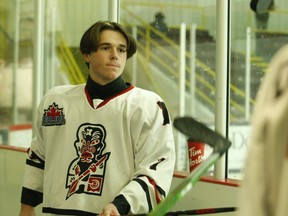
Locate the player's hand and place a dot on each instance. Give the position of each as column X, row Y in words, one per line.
column 27, row 210
column 110, row 210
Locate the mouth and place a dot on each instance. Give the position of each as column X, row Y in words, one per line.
column 113, row 65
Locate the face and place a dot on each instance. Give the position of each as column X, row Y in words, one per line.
column 108, row 62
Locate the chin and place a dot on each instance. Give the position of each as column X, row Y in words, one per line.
column 113, row 77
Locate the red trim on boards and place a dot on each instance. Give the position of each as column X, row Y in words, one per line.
column 17, row 127
column 210, row 179
column 13, row 148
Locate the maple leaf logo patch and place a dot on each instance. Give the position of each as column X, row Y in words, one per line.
column 53, row 115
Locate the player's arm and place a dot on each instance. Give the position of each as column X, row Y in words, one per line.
column 154, row 160
column 31, row 194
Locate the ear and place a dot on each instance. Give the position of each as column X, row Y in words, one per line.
column 86, row 57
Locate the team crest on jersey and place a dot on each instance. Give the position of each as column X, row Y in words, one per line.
column 53, row 115
column 87, row 171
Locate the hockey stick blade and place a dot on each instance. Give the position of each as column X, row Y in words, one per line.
column 197, row 131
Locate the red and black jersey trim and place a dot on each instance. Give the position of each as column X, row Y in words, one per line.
column 35, row 161
column 105, row 92
column 90, row 100
column 146, row 190
column 159, row 192
column 31, row 197
column 121, row 204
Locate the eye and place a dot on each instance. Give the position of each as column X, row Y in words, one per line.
column 105, row 47
column 122, row 50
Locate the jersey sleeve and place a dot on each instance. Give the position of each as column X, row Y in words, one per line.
column 154, row 158
column 32, row 190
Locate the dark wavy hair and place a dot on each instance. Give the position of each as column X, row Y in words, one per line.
column 90, row 39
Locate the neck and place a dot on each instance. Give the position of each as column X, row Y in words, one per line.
column 103, row 92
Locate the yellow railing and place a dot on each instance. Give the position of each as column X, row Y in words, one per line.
column 172, row 57
column 68, row 62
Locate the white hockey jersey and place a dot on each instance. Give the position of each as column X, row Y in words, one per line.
column 86, row 152
column 264, row 189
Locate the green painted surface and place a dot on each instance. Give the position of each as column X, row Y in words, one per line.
column 12, row 165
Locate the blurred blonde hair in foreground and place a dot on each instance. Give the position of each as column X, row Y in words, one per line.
column 264, row 190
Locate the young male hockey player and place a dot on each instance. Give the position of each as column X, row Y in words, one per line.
column 105, row 147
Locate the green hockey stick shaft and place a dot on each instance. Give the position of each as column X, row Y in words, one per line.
column 195, row 131
column 184, row 187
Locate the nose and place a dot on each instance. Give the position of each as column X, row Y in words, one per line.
column 114, row 54
column 114, row 57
